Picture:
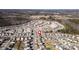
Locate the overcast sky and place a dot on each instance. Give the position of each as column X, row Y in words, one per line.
column 39, row 4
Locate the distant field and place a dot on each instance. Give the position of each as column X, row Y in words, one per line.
column 68, row 29
column 76, row 21
column 5, row 20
